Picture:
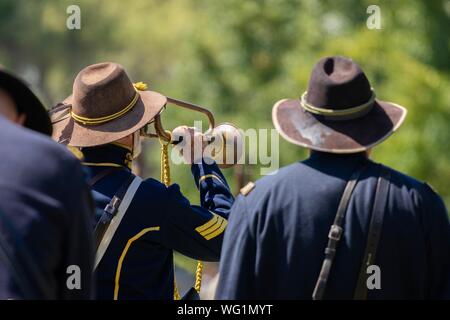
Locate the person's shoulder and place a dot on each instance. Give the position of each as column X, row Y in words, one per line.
column 273, row 181
column 406, row 182
column 35, row 151
column 37, row 165
column 420, row 190
column 151, row 183
column 402, row 179
column 156, row 197
column 274, row 187
column 155, row 190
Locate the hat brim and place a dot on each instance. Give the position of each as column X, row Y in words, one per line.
column 37, row 118
column 69, row 132
column 350, row 136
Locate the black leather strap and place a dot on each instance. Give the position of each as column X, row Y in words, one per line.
column 110, row 211
column 335, row 235
column 376, row 225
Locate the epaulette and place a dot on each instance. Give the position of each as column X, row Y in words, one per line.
column 247, row 188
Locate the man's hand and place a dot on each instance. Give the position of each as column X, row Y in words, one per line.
column 190, row 143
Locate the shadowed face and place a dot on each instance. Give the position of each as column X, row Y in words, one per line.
column 8, row 109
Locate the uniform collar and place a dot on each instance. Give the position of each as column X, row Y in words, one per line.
column 316, row 155
column 108, row 155
column 338, row 165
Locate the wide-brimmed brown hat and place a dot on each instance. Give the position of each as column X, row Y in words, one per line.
column 26, row 102
column 105, row 106
column 339, row 112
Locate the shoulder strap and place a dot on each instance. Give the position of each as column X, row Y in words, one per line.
column 110, row 211
column 376, row 224
column 112, row 216
column 335, row 235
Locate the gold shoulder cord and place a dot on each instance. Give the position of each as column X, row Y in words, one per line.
column 165, row 178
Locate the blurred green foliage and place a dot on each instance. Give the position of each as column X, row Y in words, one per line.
column 240, row 57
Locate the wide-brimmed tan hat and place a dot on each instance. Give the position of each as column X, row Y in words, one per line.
column 105, row 106
column 339, row 112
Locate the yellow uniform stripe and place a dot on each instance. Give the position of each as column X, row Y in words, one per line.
column 214, row 228
column 124, row 253
column 218, row 231
column 103, row 164
column 207, row 225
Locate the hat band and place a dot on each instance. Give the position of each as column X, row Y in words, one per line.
column 140, row 86
column 340, row 114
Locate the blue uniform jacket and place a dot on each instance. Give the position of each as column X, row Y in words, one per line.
column 276, row 237
column 138, row 263
column 49, row 210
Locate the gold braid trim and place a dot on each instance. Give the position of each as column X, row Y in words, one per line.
column 165, row 178
column 198, row 276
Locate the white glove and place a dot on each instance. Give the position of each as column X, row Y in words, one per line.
column 189, row 143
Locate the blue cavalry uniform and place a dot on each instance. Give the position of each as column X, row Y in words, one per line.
column 277, row 233
column 45, row 209
column 138, row 263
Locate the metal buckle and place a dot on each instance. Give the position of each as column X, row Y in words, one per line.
column 335, row 232
column 111, row 208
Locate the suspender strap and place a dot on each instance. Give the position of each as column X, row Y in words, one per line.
column 376, row 224
column 112, row 216
column 335, row 235
column 110, row 211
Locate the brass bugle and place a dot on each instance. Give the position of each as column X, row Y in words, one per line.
column 163, row 133
column 229, row 135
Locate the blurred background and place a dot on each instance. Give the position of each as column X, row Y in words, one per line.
column 238, row 58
